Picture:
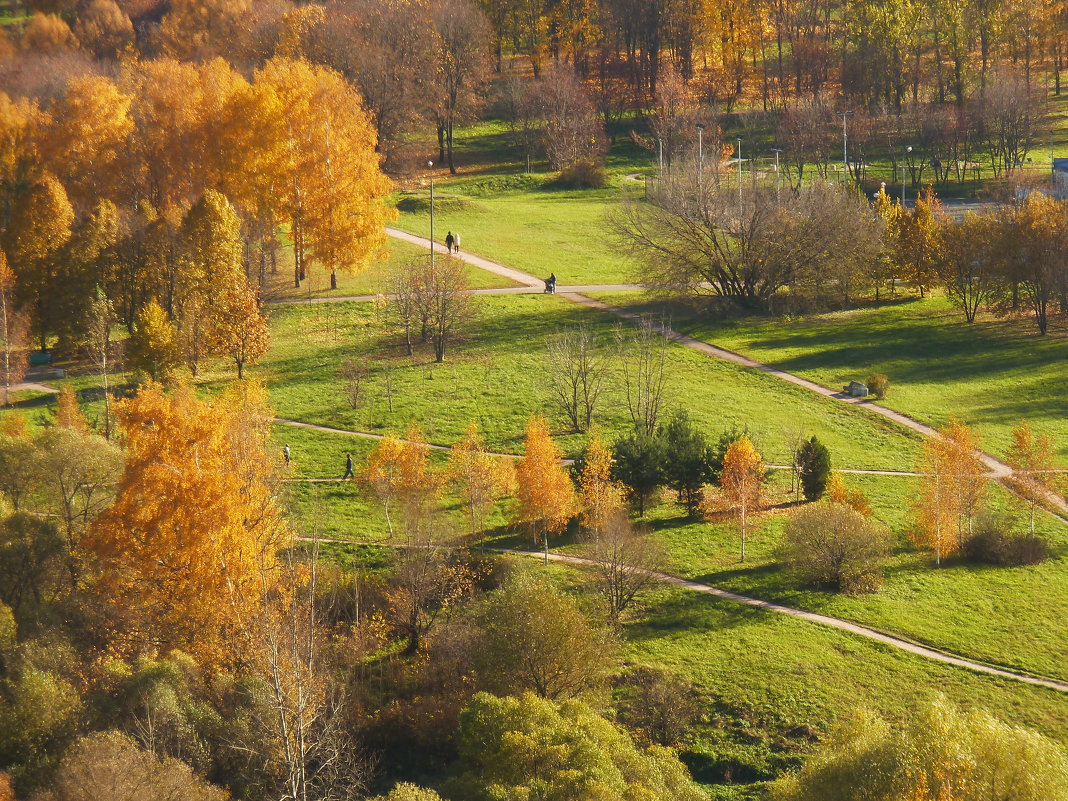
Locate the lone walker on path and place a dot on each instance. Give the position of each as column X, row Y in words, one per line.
column 285, row 454
column 448, row 241
column 348, row 467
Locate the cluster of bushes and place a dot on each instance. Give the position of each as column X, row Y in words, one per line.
column 994, row 543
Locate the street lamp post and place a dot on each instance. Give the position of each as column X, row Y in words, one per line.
column 431, row 164
column 903, row 168
column 701, row 157
column 739, row 160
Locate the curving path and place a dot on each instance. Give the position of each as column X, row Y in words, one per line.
column 823, row 620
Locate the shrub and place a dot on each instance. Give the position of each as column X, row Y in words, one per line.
column 659, row 707
column 994, row 543
column 878, row 385
column 832, row 545
column 584, row 174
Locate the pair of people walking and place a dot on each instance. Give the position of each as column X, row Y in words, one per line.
column 452, row 242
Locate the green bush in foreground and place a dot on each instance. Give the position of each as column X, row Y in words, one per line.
column 964, row 756
column 512, row 749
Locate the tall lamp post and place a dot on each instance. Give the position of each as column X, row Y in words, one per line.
column 739, row 160
column 701, row 157
column 845, row 142
column 430, row 164
column 778, row 174
column 903, row 168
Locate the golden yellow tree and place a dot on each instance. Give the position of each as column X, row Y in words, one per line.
column 952, row 486
column 841, row 493
column 398, row 473
column 918, row 241
column 481, row 478
column 381, row 474
column 332, row 184
column 1033, row 459
column 153, row 348
column 88, row 135
column 239, row 329
column 196, row 522
column 742, row 482
column 545, row 496
column 601, row 497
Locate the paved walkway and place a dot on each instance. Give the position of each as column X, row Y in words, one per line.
column 561, row 289
column 996, row 469
column 33, row 386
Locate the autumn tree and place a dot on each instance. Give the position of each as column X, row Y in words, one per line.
column 330, row 186
column 40, row 225
column 1036, row 476
column 840, row 493
column 211, row 278
column 952, row 486
column 105, row 29
column 742, row 483
column 831, row 545
column 532, row 636
column 573, row 131
column 481, row 478
column 577, row 369
column 153, row 346
column 969, row 264
column 600, row 496
column 196, row 519
column 544, row 493
column 68, row 412
column 448, row 306
column 398, row 473
column 12, row 332
column 239, row 329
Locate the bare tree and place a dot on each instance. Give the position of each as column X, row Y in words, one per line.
column 625, row 559
column 448, row 303
column 968, row 260
column 573, row 129
column 463, row 65
column 402, row 307
column 298, row 729
column 642, row 354
column 747, row 243
column 98, row 346
column 355, row 377
column 1012, row 119
column 577, row 369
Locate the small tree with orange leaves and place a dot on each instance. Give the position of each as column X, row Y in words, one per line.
column 742, row 482
column 1032, row 458
column 841, row 493
column 480, row 478
column 398, row 473
column 952, row 488
column 240, row 329
column 600, row 496
column 68, row 413
column 196, row 523
column 545, row 494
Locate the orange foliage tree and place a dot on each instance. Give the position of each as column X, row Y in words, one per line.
column 239, row 329
column 742, row 482
column 196, row 523
column 1036, row 476
column 398, row 473
column 68, row 413
column 952, row 488
column 480, row 478
column 601, row 497
column 841, row 493
column 545, row 496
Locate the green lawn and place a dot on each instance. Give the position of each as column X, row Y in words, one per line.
column 529, row 225
column 988, row 374
column 499, row 378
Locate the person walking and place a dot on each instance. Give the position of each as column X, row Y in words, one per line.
column 285, row 454
column 456, row 242
column 448, row 241
column 348, row 467
column 552, row 283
